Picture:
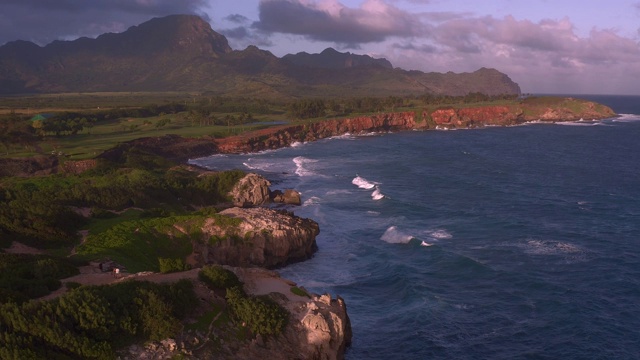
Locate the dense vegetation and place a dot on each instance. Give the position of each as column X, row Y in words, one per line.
column 39, row 211
column 260, row 314
column 91, row 322
column 24, row 276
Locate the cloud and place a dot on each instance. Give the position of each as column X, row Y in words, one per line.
column 546, row 55
column 330, row 20
column 237, row 18
column 43, row 21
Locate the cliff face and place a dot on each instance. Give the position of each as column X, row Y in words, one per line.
column 275, row 138
column 542, row 109
column 553, row 109
column 264, row 238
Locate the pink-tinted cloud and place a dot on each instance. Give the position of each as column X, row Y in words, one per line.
column 330, row 20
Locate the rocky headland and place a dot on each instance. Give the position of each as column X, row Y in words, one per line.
column 554, row 110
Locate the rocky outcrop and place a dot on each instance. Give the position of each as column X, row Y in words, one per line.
column 319, row 327
column 253, row 190
column 289, row 197
column 536, row 109
column 262, row 238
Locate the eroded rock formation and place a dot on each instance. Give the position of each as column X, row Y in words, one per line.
column 319, row 327
column 264, row 238
column 253, row 190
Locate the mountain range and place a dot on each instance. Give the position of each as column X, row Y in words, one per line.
column 183, row 53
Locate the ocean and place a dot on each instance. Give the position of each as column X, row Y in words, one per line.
column 498, row 243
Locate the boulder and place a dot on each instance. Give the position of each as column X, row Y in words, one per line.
column 251, row 190
column 290, row 197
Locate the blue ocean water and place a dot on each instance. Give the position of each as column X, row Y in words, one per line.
column 496, row 243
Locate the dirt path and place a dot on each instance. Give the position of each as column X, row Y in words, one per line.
column 257, row 281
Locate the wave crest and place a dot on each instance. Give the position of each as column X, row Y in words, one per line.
column 377, row 195
column 363, row 183
column 301, row 162
column 394, row 236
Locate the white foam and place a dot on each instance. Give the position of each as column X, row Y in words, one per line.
column 363, row 183
column 440, row 234
column 570, row 253
column 311, row 201
column 338, row 192
column 296, row 144
column 627, row 118
column 345, row 136
column 373, row 133
column 394, row 236
column 377, row 195
column 301, row 162
column 578, row 123
column 423, row 243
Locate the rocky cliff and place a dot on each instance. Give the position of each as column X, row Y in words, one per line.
column 259, row 237
column 319, row 327
column 283, row 136
column 536, row 109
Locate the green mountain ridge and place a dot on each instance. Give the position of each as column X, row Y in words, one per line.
column 183, row 53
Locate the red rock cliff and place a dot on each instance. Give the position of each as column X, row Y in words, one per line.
column 275, row 138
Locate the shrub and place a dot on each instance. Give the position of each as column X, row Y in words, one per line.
column 260, row 313
column 297, row 291
column 215, row 276
column 168, row 265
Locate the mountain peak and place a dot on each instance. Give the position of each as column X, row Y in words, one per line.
column 177, row 32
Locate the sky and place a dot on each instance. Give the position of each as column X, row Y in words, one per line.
column 546, row 46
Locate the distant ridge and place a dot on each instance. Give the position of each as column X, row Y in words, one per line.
column 183, row 53
column 332, row 59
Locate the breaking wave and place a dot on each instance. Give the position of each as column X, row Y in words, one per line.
column 377, row 195
column 394, row 236
column 363, row 183
column 301, row 163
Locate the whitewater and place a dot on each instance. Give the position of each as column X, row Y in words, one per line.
column 495, row 243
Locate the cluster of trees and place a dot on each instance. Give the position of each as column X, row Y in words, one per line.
column 15, row 131
column 260, row 314
column 470, row 98
column 313, row 108
column 71, row 123
column 307, row 108
column 91, row 322
column 24, row 276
